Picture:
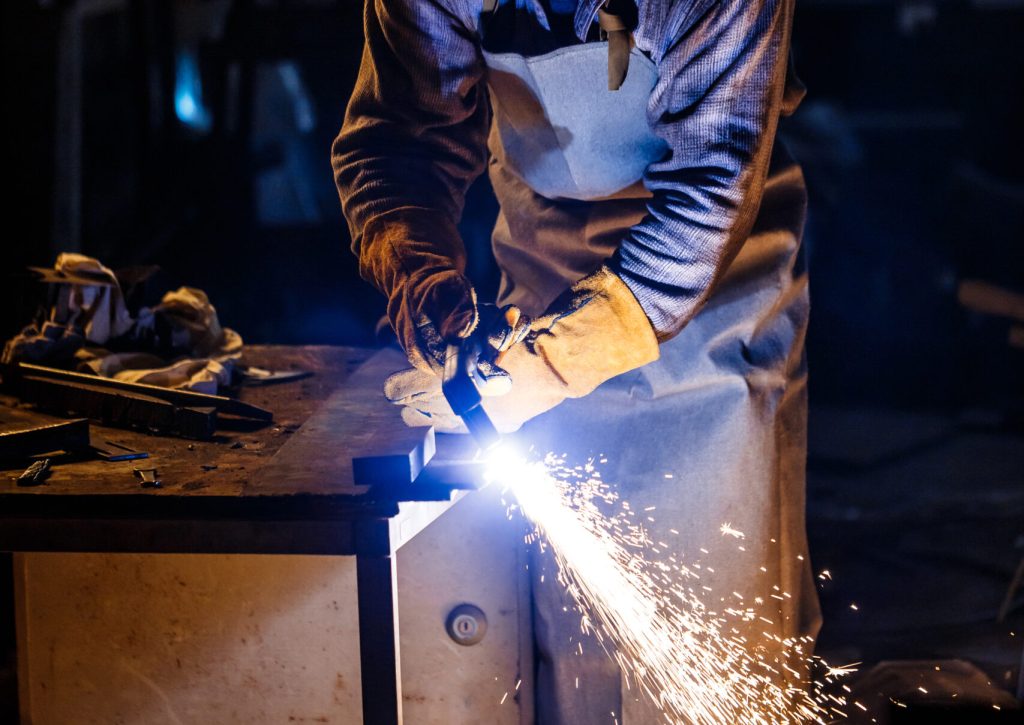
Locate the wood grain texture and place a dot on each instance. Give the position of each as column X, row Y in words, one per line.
column 221, row 467
column 356, row 425
column 233, row 494
column 40, row 436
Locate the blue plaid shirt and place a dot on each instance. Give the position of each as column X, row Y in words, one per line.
column 415, row 136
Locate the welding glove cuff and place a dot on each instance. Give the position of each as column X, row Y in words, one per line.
column 419, row 392
column 416, row 257
column 593, row 332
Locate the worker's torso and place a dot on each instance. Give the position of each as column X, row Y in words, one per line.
column 713, row 430
column 568, row 155
column 557, row 126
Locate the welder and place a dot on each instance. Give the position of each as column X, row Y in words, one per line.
column 649, row 233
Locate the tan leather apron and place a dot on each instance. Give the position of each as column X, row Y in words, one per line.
column 715, row 431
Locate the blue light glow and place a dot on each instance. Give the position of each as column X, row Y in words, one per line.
column 188, row 92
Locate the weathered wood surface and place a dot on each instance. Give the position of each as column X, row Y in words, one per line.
column 222, row 467
column 232, row 494
column 21, row 434
column 180, row 398
column 355, row 425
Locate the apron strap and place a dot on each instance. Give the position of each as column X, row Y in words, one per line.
column 619, row 42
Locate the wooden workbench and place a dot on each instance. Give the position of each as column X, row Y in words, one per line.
column 221, row 467
column 281, row 488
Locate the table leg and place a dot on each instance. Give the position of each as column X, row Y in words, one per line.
column 379, row 657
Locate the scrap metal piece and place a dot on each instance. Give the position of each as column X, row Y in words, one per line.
column 181, row 398
column 69, row 436
column 149, row 477
column 118, row 407
column 252, row 375
column 36, row 474
column 113, row 451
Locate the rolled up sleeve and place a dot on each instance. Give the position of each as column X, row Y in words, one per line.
column 716, row 105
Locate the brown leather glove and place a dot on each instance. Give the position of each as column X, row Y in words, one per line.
column 416, row 258
column 593, row 332
column 419, row 392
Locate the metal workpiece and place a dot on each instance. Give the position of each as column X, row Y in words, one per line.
column 396, row 463
column 354, row 445
column 35, row 438
column 466, row 624
column 175, row 396
column 457, row 465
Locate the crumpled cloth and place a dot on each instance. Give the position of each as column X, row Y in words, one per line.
column 86, row 318
column 202, row 375
column 99, row 311
column 194, row 324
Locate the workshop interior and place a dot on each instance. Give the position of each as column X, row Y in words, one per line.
column 213, row 511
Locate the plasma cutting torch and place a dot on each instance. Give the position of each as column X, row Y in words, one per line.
column 461, row 387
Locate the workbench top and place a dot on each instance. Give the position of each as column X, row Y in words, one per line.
column 286, row 486
column 223, row 466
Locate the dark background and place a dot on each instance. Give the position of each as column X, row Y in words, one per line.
column 911, row 138
column 195, row 135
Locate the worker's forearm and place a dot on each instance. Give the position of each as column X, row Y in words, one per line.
column 717, row 105
column 413, row 137
column 403, row 243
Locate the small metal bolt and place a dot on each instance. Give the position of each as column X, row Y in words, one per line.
column 466, row 624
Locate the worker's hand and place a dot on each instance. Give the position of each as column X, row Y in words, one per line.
column 506, row 327
column 593, row 332
column 419, row 393
column 434, row 307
